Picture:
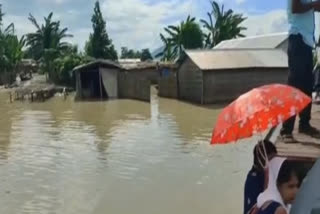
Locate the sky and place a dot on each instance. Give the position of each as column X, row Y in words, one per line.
column 137, row 24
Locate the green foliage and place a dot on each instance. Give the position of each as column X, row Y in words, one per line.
column 57, row 58
column 1, row 15
column 145, row 55
column 129, row 53
column 99, row 44
column 47, row 38
column 64, row 65
column 11, row 47
column 47, row 44
column 63, row 69
column 222, row 25
column 187, row 35
column 13, row 52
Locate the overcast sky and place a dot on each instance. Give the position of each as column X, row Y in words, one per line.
column 137, row 23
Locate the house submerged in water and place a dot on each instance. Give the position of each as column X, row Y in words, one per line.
column 221, row 75
column 97, row 80
column 104, row 79
column 232, row 68
column 203, row 76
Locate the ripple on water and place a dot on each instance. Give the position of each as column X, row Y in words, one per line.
column 61, row 157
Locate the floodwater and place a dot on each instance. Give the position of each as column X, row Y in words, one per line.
column 116, row 157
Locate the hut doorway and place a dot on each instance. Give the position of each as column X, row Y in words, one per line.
column 92, row 85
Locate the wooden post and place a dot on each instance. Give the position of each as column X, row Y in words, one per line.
column 100, row 80
column 31, row 96
column 64, row 91
column 79, row 85
column 11, row 98
column 202, row 88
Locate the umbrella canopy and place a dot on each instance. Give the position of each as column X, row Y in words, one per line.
column 258, row 110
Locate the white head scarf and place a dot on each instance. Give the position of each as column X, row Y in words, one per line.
column 272, row 193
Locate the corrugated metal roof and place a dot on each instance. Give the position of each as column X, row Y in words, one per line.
column 255, row 42
column 125, row 66
column 238, row 58
column 138, row 65
column 125, row 61
column 147, row 65
column 99, row 62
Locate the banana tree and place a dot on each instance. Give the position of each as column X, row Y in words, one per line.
column 11, row 48
column 14, row 51
column 167, row 53
column 186, row 35
column 222, row 25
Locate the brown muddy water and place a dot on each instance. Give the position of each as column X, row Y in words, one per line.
column 116, row 157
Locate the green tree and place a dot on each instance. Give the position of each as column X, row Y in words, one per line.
column 65, row 63
column 222, row 25
column 46, row 44
column 14, row 51
column 145, row 55
column 2, row 42
column 167, row 53
column 99, row 44
column 11, row 47
column 187, row 35
column 129, row 53
column 1, row 15
column 124, row 52
column 48, row 37
column 63, row 68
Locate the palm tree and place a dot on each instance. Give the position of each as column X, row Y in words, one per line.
column 48, row 36
column 222, row 25
column 11, row 52
column 187, row 35
column 3, row 36
column 46, row 44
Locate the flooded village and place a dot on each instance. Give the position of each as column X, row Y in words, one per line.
column 94, row 131
column 203, row 76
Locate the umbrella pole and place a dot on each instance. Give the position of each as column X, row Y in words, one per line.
column 270, row 133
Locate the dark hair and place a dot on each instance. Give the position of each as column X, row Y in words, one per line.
column 287, row 170
column 258, row 153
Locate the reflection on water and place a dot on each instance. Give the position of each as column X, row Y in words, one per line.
column 116, row 157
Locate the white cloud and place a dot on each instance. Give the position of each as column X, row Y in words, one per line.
column 80, row 36
column 52, row 1
column 21, row 23
column 137, row 24
column 24, row 26
column 132, row 23
column 240, row 1
column 271, row 22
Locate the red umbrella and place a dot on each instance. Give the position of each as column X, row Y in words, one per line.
column 258, row 110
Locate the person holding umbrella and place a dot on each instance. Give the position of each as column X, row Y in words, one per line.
column 300, row 58
column 255, row 112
